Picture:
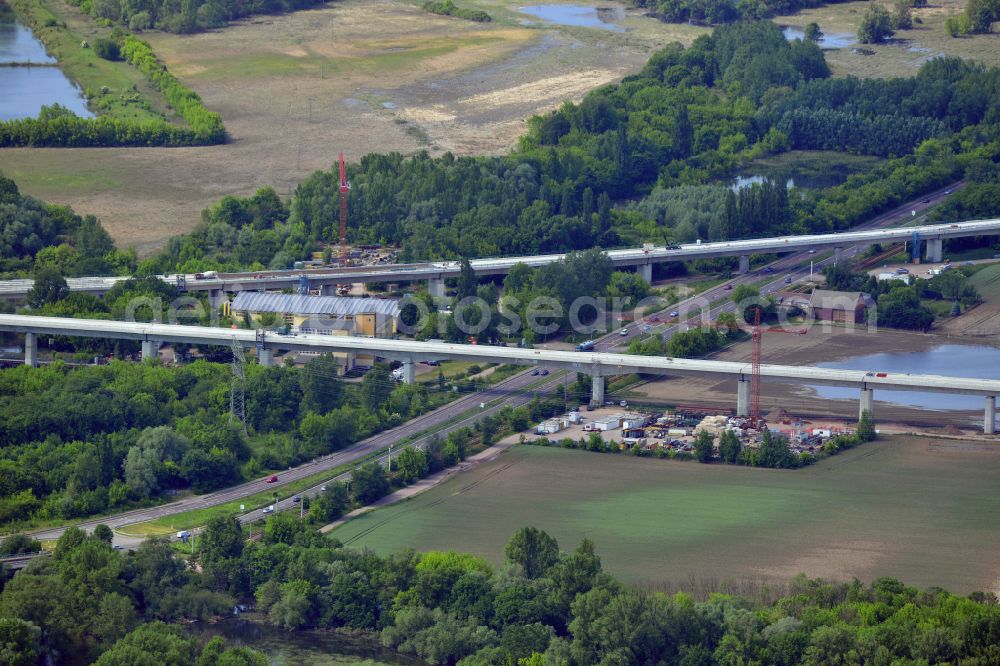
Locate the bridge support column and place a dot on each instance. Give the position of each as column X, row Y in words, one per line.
column 328, row 290
column 867, row 402
column 596, row 390
column 743, row 397
column 838, row 255
column 150, row 349
column 31, row 349
column 646, row 271
column 935, row 247
column 744, row 264
column 216, row 297
column 435, row 287
column 990, row 418
column 409, row 372
column 265, row 357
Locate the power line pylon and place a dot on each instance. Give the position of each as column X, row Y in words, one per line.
column 238, row 389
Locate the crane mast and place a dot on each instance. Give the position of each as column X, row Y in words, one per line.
column 344, row 187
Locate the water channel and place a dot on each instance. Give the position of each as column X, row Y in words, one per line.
column 972, row 361
column 604, row 18
column 29, row 78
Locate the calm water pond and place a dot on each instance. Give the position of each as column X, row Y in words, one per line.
column 978, row 362
column 832, row 40
column 305, row 648
column 801, row 181
column 579, row 15
column 25, row 89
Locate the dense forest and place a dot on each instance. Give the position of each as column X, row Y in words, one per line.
column 185, row 17
column 35, row 235
column 681, row 125
column 125, row 433
column 542, row 607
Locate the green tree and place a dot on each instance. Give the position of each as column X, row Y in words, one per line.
column 49, row 287
column 221, row 539
column 533, row 549
column 330, row 504
column 703, row 443
column 369, row 483
column 321, row 387
column 103, row 533
column 866, row 427
column 412, row 464
column 876, row 25
column 729, row 447
column 376, row 387
column 812, row 32
column 467, row 282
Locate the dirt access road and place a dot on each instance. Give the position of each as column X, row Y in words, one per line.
column 355, row 75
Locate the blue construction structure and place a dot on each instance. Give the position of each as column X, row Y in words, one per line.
column 915, row 247
column 304, row 285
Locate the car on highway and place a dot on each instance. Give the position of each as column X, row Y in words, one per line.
column 728, row 287
column 322, row 489
column 268, row 509
column 947, row 191
column 902, row 271
column 271, row 479
column 623, row 332
column 812, row 251
column 544, row 372
column 296, row 499
column 788, row 279
column 534, row 372
column 656, row 318
column 768, row 269
column 646, row 327
column 926, row 201
column 675, row 313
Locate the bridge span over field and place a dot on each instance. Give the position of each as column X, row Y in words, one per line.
column 597, row 364
column 641, row 259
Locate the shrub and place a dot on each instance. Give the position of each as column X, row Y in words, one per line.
column 107, row 49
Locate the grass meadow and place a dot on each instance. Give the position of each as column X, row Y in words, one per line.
column 922, row 510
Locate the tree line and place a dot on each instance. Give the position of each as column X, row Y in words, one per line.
column 542, row 606
column 185, row 17
column 124, row 434
column 714, row 12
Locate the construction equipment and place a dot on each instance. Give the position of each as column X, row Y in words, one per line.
column 344, row 188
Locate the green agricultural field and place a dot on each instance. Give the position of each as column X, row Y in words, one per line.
column 987, row 281
column 907, row 507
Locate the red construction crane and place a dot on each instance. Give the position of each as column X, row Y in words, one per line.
column 344, row 187
column 755, row 369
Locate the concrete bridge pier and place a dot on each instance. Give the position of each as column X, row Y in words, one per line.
column 935, row 249
column 838, row 254
column 596, row 390
column 744, row 264
column 435, row 287
column 327, row 290
column 31, row 349
column 646, row 272
column 409, row 372
column 867, row 402
column 743, row 397
column 989, row 421
column 216, row 297
column 265, row 357
column 150, row 349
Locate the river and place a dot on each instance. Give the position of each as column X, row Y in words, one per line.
column 29, row 78
column 973, row 361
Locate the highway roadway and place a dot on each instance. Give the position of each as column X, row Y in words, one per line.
column 638, row 257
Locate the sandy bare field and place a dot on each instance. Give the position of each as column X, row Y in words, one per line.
column 356, row 75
